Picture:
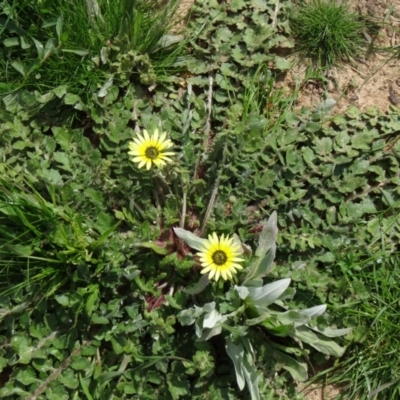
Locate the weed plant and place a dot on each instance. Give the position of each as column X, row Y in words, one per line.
column 327, row 32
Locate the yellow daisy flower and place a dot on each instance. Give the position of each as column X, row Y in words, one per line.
column 150, row 150
column 220, row 257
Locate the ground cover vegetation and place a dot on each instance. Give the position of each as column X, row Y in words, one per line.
column 171, row 227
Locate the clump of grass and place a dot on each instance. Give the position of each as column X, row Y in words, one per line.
column 80, row 30
column 327, row 32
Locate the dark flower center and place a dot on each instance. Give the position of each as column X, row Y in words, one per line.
column 152, row 153
column 219, row 257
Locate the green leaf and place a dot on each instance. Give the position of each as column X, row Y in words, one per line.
column 59, row 26
column 11, row 42
column 39, row 48
column 236, row 5
column 68, row 299
column 79, row 51
column 92, row 299
column 49, row 48
column 49, row 23
column 71, row 99
column 80, row 363
column 18, row 67
column 62, row 159
column 27, row 376
column 157, row 248
column 282, row 63
column 52, row 176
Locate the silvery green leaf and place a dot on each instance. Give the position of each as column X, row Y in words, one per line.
column 243, row 291
column 295, row 317
column 211, row 319
column 189, row 316
column 168, row 40
column 104, row 55
column 10, row 42
column 330, row 332
column 191, row 239
column 249, row 370
column 24, row 43
column 296, row 369
column 49, row 48
column 236, row 353
column 39, row 48
column 372, row 393
column 199, row 286
column 209, row 333
column 326, row 105
column 19, row 67
column 266, row 249
column 268, row 235
column 76, row 50
column 251, row 377
column 104, row 89
column 237, row 241
column 257, row 320
column 266, row 263
column 314, row 312
column 59, row 26
column 319, row 342
column 268, row 293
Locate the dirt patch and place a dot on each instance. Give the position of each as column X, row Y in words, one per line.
column 374, row 81
column 182, row 15
column 315, row 392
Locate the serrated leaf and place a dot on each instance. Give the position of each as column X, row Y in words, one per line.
column 282, row 64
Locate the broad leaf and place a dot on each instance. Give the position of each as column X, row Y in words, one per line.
column 191, row 239
column 267, row 294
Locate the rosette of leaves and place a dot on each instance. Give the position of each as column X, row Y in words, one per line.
column 288, row 333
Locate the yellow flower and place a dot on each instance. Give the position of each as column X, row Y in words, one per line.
column 220, row 257
column 150, row 150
